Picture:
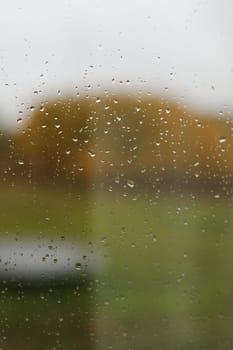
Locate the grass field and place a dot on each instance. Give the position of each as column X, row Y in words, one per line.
column 167, row 280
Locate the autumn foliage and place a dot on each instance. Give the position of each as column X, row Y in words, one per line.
column 108, row 141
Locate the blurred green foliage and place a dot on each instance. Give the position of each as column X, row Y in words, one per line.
column 168, row 263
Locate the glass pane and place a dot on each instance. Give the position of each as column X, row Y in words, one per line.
column 116, row 162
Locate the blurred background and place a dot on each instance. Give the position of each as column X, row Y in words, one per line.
column 117, row 133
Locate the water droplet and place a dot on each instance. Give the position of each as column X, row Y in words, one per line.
column 91, row 154
column 19, row 120
column 222, row 139
column 130, row 183
column 78, row 266
column 98, row 100
column 20, row 162
column 117, row 179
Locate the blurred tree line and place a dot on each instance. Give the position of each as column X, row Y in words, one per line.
column 120, row 142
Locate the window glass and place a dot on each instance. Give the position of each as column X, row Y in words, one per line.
column 116, row 163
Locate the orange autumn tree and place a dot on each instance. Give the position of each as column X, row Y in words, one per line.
column 114, row 139
column 54, row 143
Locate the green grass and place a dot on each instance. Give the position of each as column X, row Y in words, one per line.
column 168, row 263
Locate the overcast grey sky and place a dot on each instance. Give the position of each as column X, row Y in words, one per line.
column 167, row 47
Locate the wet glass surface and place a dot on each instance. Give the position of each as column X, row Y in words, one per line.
column 116, row 175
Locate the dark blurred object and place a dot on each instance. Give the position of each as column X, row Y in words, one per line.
column 45, row 296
